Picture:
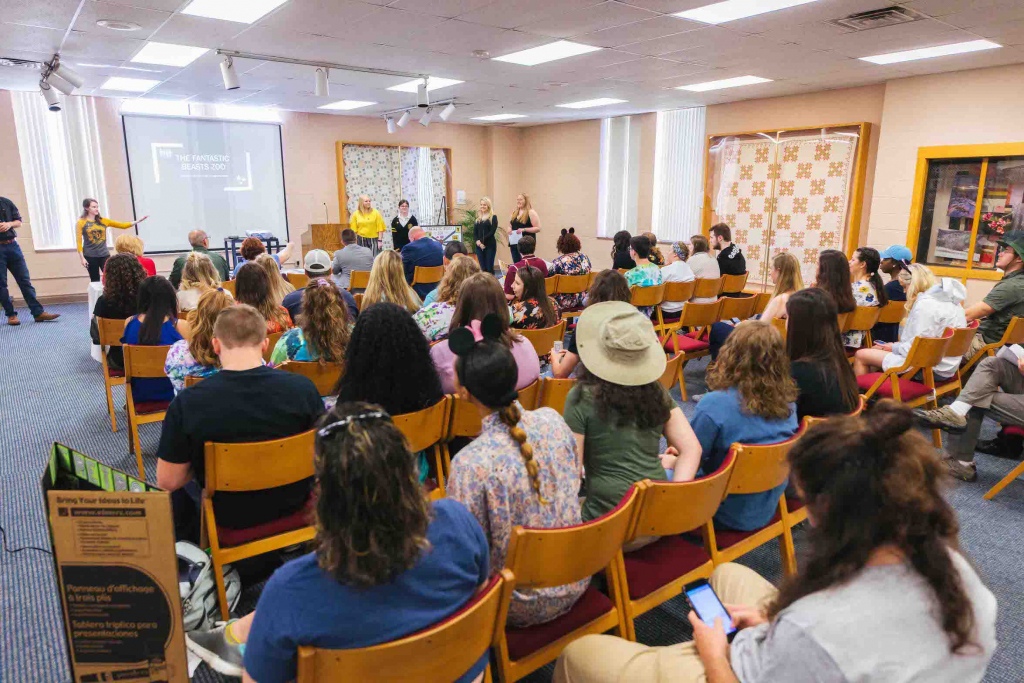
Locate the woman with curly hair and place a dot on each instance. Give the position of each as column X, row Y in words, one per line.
column 280, row 287
column 324, row 328
column 252, row 287
column 520, row 471
column 386, row 562
column 532, row 309
column 619, row 410
column 387, row 283
column 435, row 318
column 198, row 276
column 883, row 592
column 195, row 357
column 608, row 285
column 571, row 261
column 120, row 298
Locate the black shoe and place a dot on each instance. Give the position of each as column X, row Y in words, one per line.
column 1002, row 447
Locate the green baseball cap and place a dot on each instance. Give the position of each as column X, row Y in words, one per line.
column 1015, row 240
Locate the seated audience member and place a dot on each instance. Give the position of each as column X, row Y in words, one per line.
column 127, row 243
column 655, row 256
column 751, row 401
column 318, row 265
column 622, row 259
column 532, row 309
column 526, row 250
column 200, row 242
column 520, row 471
column 426, row 561
column 280, row 287
column 253, row 247
column 1005, row 300
column 703, row 265
column 872, row 598
column 481, row 294
column 571, row 261
column 932, row 306
column 195, row 357
column 619, row 411
column 451, row 250
column 676, row 271
column 608, row 285
column 422, row 251
column 252, row 287
column 352, row 256
column 198, row 277
column 895, row 260
column 435, row 318
column 645, row 273
column 817, row 359
column 388, row 284
column 324, row 328
column 730, row 259
column 120, row 298
column 833, row 277
column 156, row 324
column 867, row 287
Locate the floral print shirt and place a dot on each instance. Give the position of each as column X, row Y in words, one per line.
column 644, row 276
column 180, row 364
column 864, row 294
column 434, row 320
column 528, row 315
column 489, row 477
column 292, row 346
column 570, row 264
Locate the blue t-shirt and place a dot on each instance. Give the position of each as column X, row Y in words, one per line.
column 304, row 605
column 155, row 389
column 241, row 262
column 720, row 421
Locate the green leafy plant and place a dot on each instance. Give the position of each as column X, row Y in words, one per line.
column 467, row 222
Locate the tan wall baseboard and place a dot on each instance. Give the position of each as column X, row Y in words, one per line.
column 54, row 299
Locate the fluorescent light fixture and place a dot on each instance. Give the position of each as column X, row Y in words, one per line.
column 559, row 49
column 168, row 54
column 499, row 117
column 731, row 10
column 724, row 83
column 162, row 107
column 345, row 105
column 433, row 84
column 242, row 113
column 128, row 84
column 242, row 11
column 929, row 52
column 111, row 66
column 585, row 104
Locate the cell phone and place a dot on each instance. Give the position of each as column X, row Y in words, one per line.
column 557, row 348
column 704, row 601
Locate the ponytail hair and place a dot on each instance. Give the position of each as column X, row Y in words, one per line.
column 871, row 260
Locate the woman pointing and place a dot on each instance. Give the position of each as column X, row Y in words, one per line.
column 91, row 235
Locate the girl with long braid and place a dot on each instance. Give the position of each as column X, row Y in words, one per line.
column 521, row 470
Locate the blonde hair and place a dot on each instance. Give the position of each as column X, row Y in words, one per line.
column 790, row 279
column 490, row 209
column 387, row 283
column 199, row 273
column 127, row 243
column 527, row 207
column 279, row 287
column 460, row 269
column 202, row 321
column 921, row 280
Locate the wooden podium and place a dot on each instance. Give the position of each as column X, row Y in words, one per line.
column 326, row 236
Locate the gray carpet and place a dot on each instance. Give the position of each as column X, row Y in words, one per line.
column 50, row 389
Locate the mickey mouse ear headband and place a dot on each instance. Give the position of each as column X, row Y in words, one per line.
column 570, row 231
column 462, row 340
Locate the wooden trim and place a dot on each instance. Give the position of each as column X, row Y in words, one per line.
column 857, row 189
column 789, row 130
column 976, row 219
column 999, row 149
column 917, row 204
column 339, row 155
column 962, row 274
column 705, row 215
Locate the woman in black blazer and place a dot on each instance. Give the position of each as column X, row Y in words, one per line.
column 401, row 224
column 483, row 231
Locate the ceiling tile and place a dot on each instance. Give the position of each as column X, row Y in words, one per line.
column 637, row 31
column 321, row 17
column 697, row 38
column 148, row 20
column 17, row 37
column 513, row 13
column 183, row 29
column 462, row 38
column 222, row 96
column 900, row 37
column 106, row 47
column 668, row 6
column 970, row 17
column 939, row 8
column 647, row 69
column 441, row 8
column 738, row 49
column 55, row 14
column 1004, row 33
column 580, row 21
column 395, row 26
column 822, row 10
column 162, row 5
column 817, row 35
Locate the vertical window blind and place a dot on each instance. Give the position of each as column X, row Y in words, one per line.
column 678, row 174
column 619, row 185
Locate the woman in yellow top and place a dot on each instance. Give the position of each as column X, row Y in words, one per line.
column 91, row 235
column 368, row 225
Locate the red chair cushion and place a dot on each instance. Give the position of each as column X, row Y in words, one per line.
column 908, row 390
column 1010, row 430
column 296, row 520
column 793, row 503
column 148, row 407
column 686, row 344
column 115, row 373
column 726, row 537
column 661, row 562
column 524, row 641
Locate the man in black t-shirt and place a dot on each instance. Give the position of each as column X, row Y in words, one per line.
column 13, row 260
column 245, row 401
column 730, row 259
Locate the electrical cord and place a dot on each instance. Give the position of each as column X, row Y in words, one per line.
column 3, row 537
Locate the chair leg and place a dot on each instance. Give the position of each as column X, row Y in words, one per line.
column 440, row 468
column 788, row 550
column 222, row 594
column 135, row 444
column 110, row 406
column 1005, row 481
column 937, row 438
column 682, row 380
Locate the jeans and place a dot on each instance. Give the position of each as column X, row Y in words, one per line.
column 96, row 264
column 486, row 258
column 13, row 260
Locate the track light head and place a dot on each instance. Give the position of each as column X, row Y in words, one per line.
column 50, row 95
column 228, row 73
column 447, row 112
column 323, row 87
column 60, row 84
column 72, row 77
column 425, row 119
column 391, row 124
column 422, row 98
column 404, row 120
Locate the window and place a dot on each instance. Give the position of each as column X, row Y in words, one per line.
column 619, row 187
column 678, row 174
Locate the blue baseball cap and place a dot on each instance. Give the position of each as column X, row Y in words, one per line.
column 898, row 253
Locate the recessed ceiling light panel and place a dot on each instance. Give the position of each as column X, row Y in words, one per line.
column 929, row 52
column 242, row 11
column 128, row 84
column 586, row 104
column 432, row 84
column 731, row 10
column 115, row 25
column 346, row 105
column 724, row 83
column 499, row 117
column 168, row 54
column 547, row 53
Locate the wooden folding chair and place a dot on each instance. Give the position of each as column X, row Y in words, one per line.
column 529, row 395
column 111, row 331
column 757, row 469
column 762, row 302
column 573, row 284
column 255, row 466
column 191, row 381
column 465, row 421
column 699, row 317
column 676, row 293
column 812, row 421
column 705, row 288
column 1014, row 334
column 272, row 338
column 443, row 652
column 795, row 506
column 143, row 362
column 359, row 301
column 731, row 284
column 553, row 393
column 780, row 325
column 741, row 307
column 892, row 312
column 229, row 287
column 427, row 429
column 544, row 558
column 650, row 297
column 358, row 279
column 658, row 571
column 298, row 280
column 551, row 284
column 427, row 275
column 862, row 319
column 623, row 270
column 670, row 377
column 960, row 340
column 325, row 376
column 544, row 339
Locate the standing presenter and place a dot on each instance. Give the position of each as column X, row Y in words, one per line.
column 368, row 225
column 524, row 221
column 91, row 235
column 13, row 260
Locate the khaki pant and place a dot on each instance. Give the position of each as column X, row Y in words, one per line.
column 608, row 659
column 982, row 393
column 976, row 345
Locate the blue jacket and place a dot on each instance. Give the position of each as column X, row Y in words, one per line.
column 423, row 252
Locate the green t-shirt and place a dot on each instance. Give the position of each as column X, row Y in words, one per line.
column 615, row 456
column 1007, row 298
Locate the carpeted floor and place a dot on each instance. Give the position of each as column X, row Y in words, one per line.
column 50, row 389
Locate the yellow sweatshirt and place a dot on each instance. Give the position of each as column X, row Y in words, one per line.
column 92, row 237
column 367, row 225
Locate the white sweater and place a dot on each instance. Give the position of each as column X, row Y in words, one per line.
column 933, row 312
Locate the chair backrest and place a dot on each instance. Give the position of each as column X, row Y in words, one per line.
column 192, row 380
column 700, row 315
column 358, row 279
column 541, row 558
column 274, row 337
column 841, row 320
column 892, row 312
column 111, row 331
column 960, row 339
column 228, row 286
column 426, row 275
column 623, row 270
column 927, row 352
column 573, row 284
column 464, row 418
column 809, row 420
column 741, row 307
column 671, row 375
column 646, row 296
column 1014, row 333
column 551, row 284
column 545, row 338
column 863, row 318
column 670, row 508
column 529, row 395
column 426, row 427
column 144, row 361
column 442, row 652
column 359, row 301
column 780, row 325
column 734, row 283
column 679, row 291
column 258, row 465
column 760, row 468
column 298, row 280
column 707, row 288
column 553, row 393
column 325, row 376
column 762, row 302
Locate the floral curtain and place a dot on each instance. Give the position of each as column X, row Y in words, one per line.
column 372, row 170
column 745, row 199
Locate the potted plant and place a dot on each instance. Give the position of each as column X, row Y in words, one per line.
column 467, row 221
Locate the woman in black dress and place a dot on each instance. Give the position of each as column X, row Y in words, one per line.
column 524, row 221
column 483, row 232
column 401, row 224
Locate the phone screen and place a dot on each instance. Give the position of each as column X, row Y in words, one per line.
column 709, row 607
